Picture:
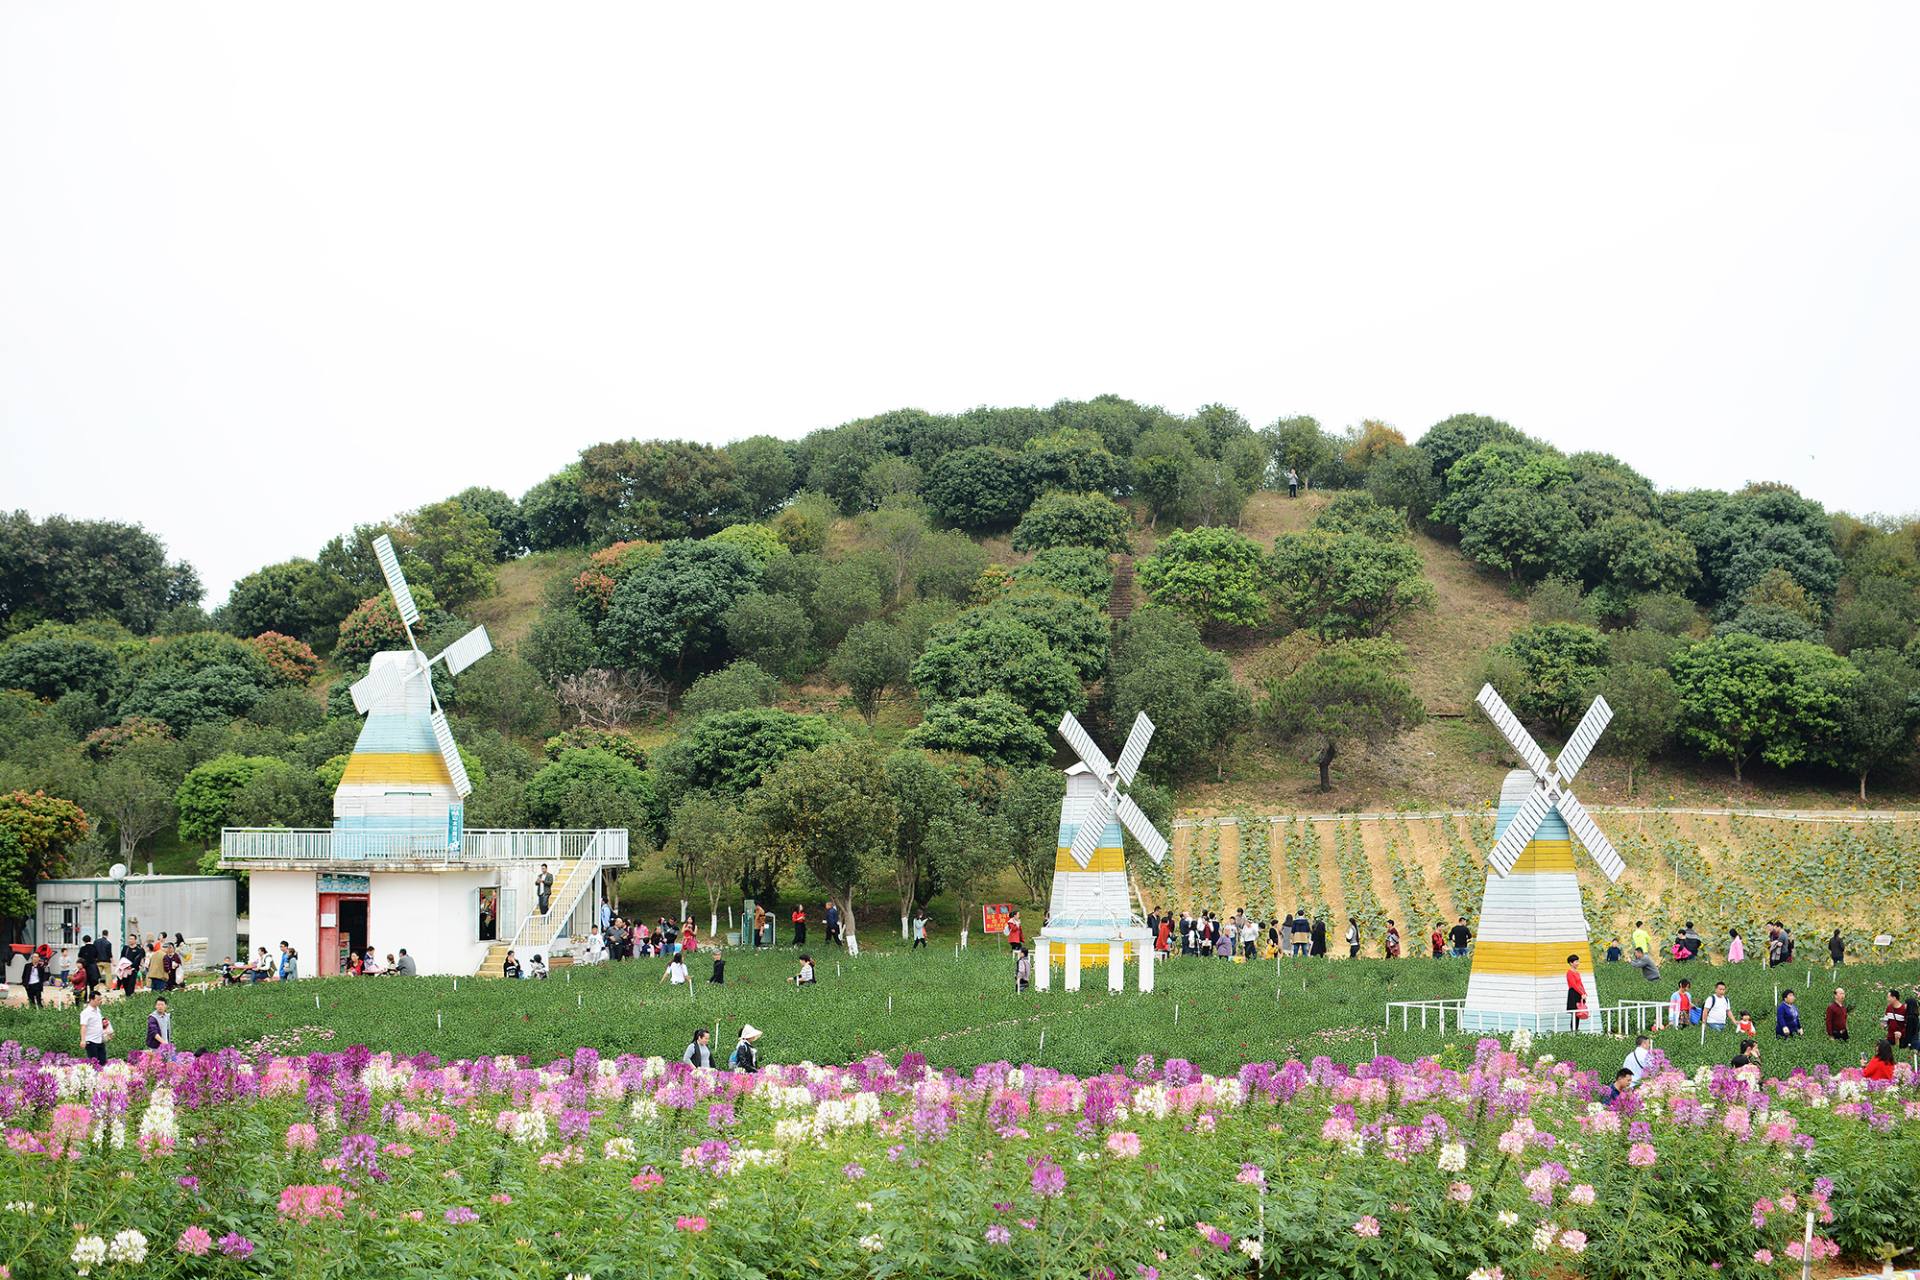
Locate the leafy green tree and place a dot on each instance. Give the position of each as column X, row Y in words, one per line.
column 1498, row 468
column 1082, row 571
column 1769, row 622
column 62, row 570
column 1605, row 488
column 923, row 793
column 1555, row 668
column 374, row 626
column 871, row 660
column 1880, row 614
column 836, row 463
column 998, row 655
column 759, row 541
column 1879, row 715
column 290, row 663
column 460, row 549
column 1742, row 696
column 502, row 514
column 1402, row 479
column 1350, row 690
column 561, row 643
column 729, row 752
column 734, row 687
column 804, row 523
column 1559, row 599
column 1368, row 442
column 1451, row 439
column 833, row 809
column 1635, row 555
column 36, row 830
column 1070, row 459
column 1348, row 584
column 1523, row 533
column 897, row 530
column 1646, row 710
column 1159, row 666
column 278, row 794
column 946, row 564
column 1217, row 577
column 1070, row 624
column 668, row 614
column 1360, row 512
column 1246, row 460
column 888, row 479
column 1166, row 472
column 764, row 469
column 1029, row 811
column 991, row 726
column 1074, row 520
column 710, row 843
column 658, row 490
column 1741, row 536
column 554, row 512
column 1297, row 444
column 279, row 597
column 207, row 792
column 773, row 631
column 850, row 592
column 980, row 488
column 194, row 679
column 507, row 693
column 133, row 790
column 595, row 789
column 54, row 659
column 966, row 848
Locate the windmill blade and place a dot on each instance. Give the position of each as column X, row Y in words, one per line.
column 443, row 737
column 1581, row 743
column 1141, row 828
column 1581, row 823
column 376, row 687
column 1136, row 746
column 466, row 651
column 1513, row 841
column 396, row 581
column 1093, row 825
column 1082, row 744
column 1514, row 732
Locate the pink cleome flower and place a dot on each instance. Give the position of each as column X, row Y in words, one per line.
column 303, row 1203
column 194, row 1241
column 1123, row 1144
column 692, row 1224
column 1368, row 1226
column 1642, row 1155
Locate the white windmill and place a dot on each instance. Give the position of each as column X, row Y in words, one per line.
column 404, row 780
column 1531, row 919
column 1090, row 914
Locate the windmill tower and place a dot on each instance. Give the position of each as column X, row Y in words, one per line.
column 404, row 782
column 1531, row 919
column 1090, row 916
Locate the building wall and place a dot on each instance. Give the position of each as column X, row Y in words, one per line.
column 433, row 914
column 285, row 904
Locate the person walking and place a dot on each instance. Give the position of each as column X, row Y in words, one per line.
column 919, row 929
column 160, row 1026
column 1393, row 941
column 1302, row 932
column 1786, row 1015
column 1016, row 933
column 543, row 888
column 799, row 920
column 1736, row 947
column 171, row 963
column 1023, row 966
column 95, row 1030
column 34, row 976
column 830, row 916
column 1837, row 1015
column 1837, row 949
column 1893, row 1023
column 1437, row 940
column 746, row 1057
column 1319, row 936
column 1461, row 936
column 1163, row 938
column 1353, row 937
column 759, row 923
column 1680, row 1005
column 676, row 973
column 1719, row 1009
column 699, row 1052
column 1642, row 940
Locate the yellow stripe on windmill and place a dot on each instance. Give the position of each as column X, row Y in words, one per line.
column 1531, row 919
column 1090, row 917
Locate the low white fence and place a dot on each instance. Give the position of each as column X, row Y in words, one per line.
column 1627, row 1017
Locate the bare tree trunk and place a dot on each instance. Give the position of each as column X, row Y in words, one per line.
column 1863, row 786
column 1630, row 769
column 1325, row 761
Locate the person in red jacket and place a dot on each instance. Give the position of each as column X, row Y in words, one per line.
column 1895, row 1018
column 1880, row 1065
column 1837, row 1015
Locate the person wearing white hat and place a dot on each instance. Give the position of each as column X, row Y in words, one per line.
column 745, row 1057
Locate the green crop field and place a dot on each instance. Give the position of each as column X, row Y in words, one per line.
column 958, row 1012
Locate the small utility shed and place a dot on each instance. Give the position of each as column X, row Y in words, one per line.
column 197, row 906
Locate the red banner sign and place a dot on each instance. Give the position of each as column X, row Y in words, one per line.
column 994, row 916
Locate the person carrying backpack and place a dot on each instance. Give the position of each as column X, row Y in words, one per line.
column 745, row 1057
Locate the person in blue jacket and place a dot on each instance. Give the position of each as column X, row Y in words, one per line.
column 1786, row 1018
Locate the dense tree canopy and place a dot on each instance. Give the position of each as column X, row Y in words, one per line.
column 669, row 615
column 1217, row 577
column 1354, row 689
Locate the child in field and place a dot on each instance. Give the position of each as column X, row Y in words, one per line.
column 805, row 977
column 1745, row 1025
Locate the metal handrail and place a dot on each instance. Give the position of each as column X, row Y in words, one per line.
column 586, row 871
column 478, row 847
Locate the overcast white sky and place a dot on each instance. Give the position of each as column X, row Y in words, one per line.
column 269, row 269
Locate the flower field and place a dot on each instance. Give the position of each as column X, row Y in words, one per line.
column 351, row 1164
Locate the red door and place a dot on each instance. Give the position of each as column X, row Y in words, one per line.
column 327, row 963
column 343, row 930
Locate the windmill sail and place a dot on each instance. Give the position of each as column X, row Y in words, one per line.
column 396, row 580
